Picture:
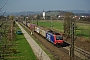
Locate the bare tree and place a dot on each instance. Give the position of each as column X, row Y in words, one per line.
column 67, row 23
column 3, row 5
column 1, row 9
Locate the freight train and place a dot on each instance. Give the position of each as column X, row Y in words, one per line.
column 53, row 37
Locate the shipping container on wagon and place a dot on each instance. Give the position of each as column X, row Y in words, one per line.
column 28, row 24
column 43, row 32
column 37, row 29
column 24, row 22
column 32, row 27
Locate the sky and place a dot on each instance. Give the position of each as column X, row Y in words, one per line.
column 39, row 5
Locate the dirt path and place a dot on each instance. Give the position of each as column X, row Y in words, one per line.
column 35, row 47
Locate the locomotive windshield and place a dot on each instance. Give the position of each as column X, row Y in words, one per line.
column 59, row 38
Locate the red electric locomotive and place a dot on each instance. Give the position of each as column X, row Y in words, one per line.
column 54, row 37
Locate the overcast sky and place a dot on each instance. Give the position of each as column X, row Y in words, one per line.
column 39, row 5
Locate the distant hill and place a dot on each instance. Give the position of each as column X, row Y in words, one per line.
column 49, row 13
column 55, row 12
column 21, row 13
column 60, row 12
column 78, row 11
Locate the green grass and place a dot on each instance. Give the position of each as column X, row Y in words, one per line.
column 56, row 25
column 24, row 50
column 83, row 30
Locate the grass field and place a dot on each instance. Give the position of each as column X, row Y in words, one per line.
column 58, row 25
column 24, row 49
column 83, row 30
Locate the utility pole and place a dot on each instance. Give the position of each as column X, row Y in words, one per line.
column 72, row 41
column 38, row 17
column 32, row 20
column 51, row 23
column 37, row 21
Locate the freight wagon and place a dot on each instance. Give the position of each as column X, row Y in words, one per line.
column 24, row 22
column 41, row 30
column 27, row 24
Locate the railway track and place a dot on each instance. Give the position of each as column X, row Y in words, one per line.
column 82, row 53
column 79, row 53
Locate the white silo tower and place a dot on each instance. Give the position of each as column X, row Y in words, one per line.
column 43, row 14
